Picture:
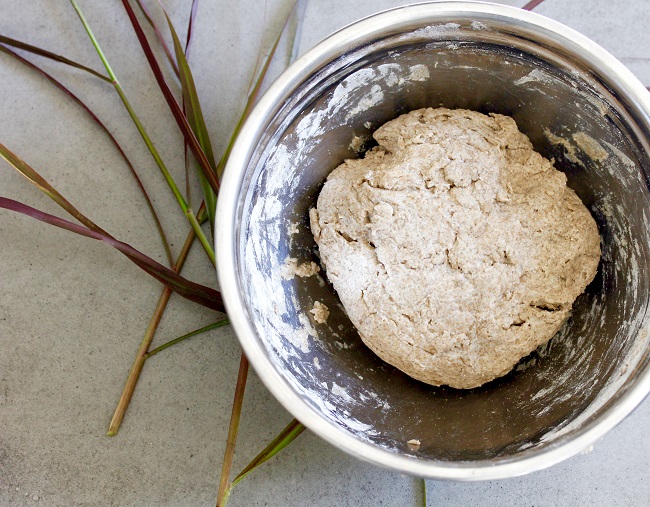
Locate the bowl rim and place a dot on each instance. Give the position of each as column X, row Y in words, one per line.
column 426, row 13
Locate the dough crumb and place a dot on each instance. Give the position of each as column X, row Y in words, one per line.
column 414, row 444
column 320, row 312
column 292, row 229
column 455, row 248
column 291, row 269
column 356, row 143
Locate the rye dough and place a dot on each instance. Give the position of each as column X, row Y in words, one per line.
column 455, row 248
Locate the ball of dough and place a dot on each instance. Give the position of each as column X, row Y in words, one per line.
column 455, row 248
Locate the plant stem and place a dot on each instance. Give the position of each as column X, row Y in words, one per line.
column 140, row 358
column 209, row 327
column 283, row 439
column 424, row 493
column 233, row 429
column 136, row 369
column 532, row 4
column 199, row 234
column 147, row 140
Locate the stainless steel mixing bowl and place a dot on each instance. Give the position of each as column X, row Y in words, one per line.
column 576, row 103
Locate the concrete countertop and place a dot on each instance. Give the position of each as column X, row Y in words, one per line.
column 73, row 311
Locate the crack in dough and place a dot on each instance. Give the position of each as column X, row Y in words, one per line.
column 455, row 248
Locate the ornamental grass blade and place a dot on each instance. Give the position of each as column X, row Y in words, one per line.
column 188, row 42
column 94, row 117
column 292, row 431
column 532, row 4
column 195, row 118
column 209, row 327
column 195, row 292
column 159, row 36
column 191, row 217
column 139, row 360
column 174, row 107
column 42, row 184
column 190, row 290
column 284, row 438
column 190, row 27
column 52, row 56
column 233, row 430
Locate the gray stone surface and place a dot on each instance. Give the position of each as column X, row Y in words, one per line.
column 72, row 311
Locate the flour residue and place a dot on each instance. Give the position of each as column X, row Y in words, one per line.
column 590, row 146
column 569, row 147
column 292, row 229
column 374, row 97
column 291, row 268
column 418, row 73
column 436, row 31
column 339, row 391
column 536, row 76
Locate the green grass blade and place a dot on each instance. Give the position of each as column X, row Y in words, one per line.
column 209, row 327
column 195, row 118
column 94, row 117
column 188, row 42
column 292, row 431
column 195, row 292
column 159, row 36
column 195, row 113
column 174, row 107
column 52, row 56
